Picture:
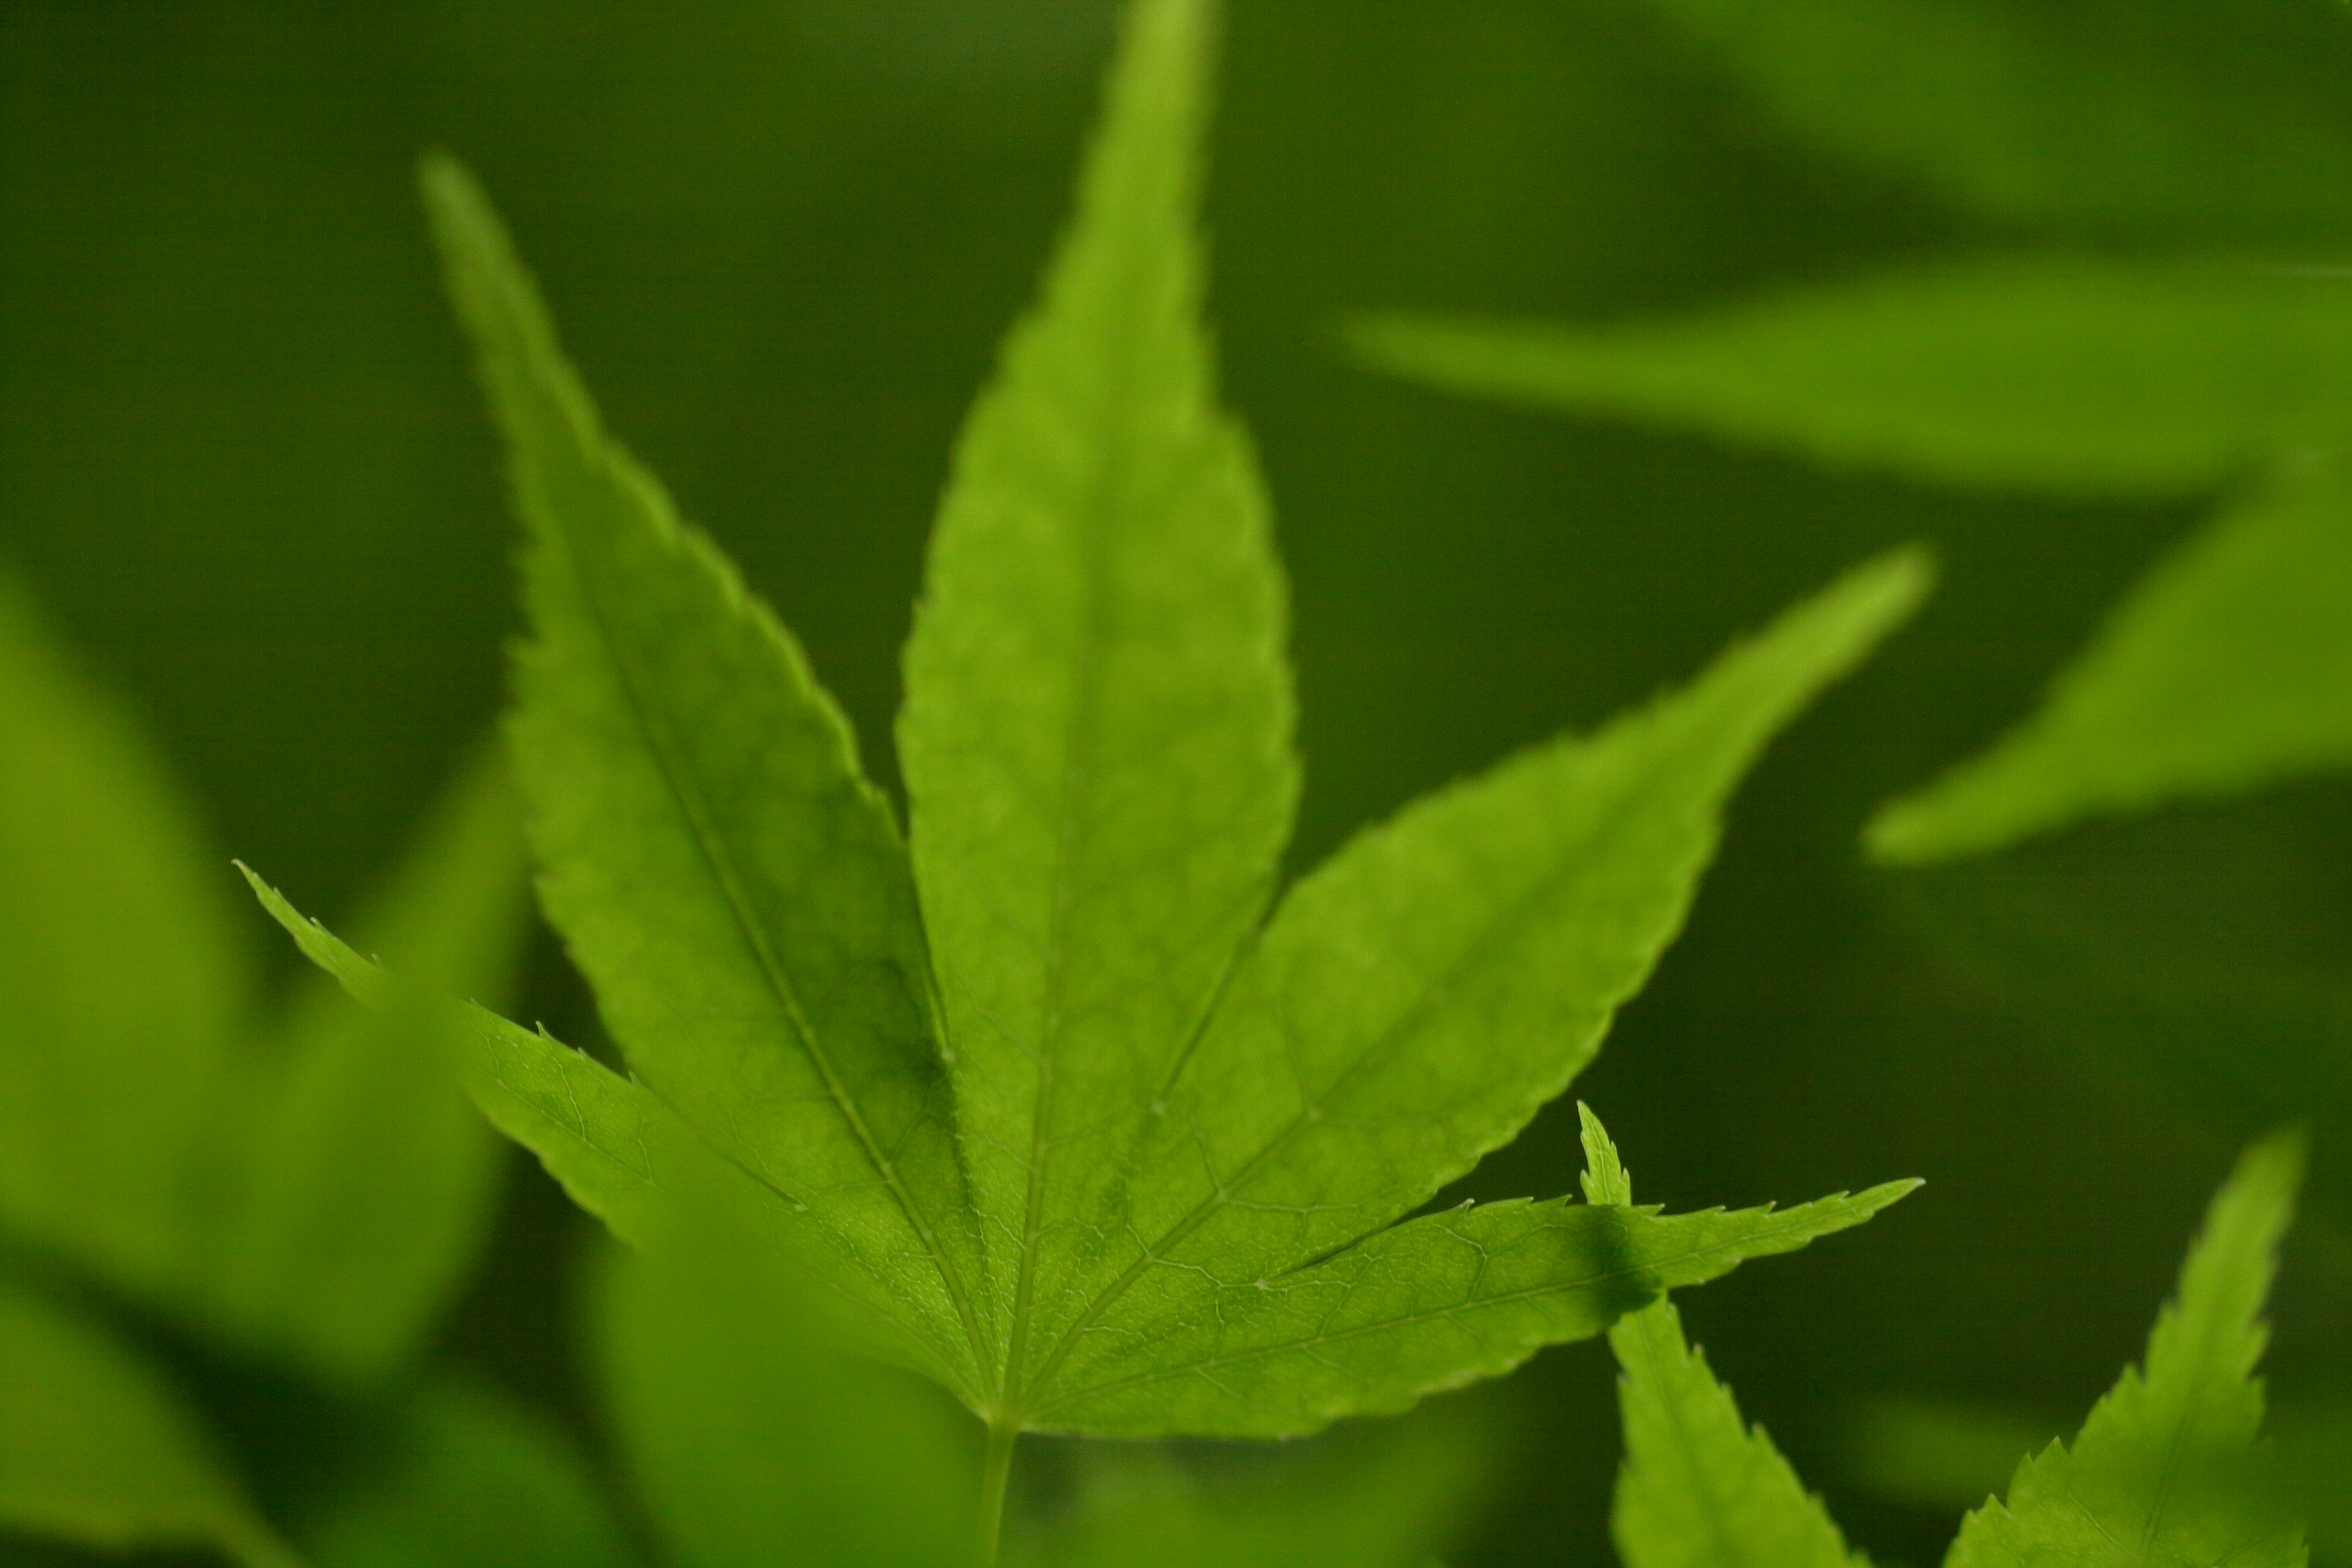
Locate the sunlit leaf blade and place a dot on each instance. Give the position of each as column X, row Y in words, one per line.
column 616, row 1148
column 2071, row 377
column 1098, row 712
column 2050, row 113
column 97, row 1447
column 364, row 1174
column 733, row 887
column 121, row 980
column 1425, row 1305
column 1416, row 1000
column 471, row 1481
column 2227, row 668
column 620, row 1152
column 1700, row 1488
column 1176, row 1220
column 2294, row 1475
column 2129, row 1489
column 748, row 1432
column 1383, row 1495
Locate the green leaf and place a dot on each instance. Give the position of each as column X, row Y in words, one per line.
column 1407, row 1311
column 1411, row 1005
column 2083, row 116
column 1098, row 712
column 97, row 1447
column 1178, row 1217
column 2128, row 1492
column 2070, row 377
column 2229, row 667
column 1700, row 1488
column 2298, row 1474
column 619, row 1152
column 315, row 1197
column 471, row 1481
column 746, row 1427
column 719, row 867
column 365, row 1176
column 1380, row 1496
column 121, row 978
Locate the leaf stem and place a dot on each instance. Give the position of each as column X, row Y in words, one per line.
column 995, row 1471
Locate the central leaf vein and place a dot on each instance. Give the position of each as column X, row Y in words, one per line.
column 1651, row 1268
column 639, row 689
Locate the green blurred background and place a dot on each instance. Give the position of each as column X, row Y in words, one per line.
column 243, row 463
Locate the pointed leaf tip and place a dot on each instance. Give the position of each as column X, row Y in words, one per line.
column 1606, row 1180
column 1897, row 833
column 2225, row 669
column 2195, row 1402
column 1700, row 1487
column 364, row 1174
column 2044, row 375
column 363, row 980
column 1097, row 733
column 106, row 1087
column 457, row 206
column 1103, row 505
column 1889, row 589
column 704, row 828
column 2263, row 1185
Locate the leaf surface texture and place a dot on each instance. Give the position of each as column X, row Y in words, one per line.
column 717, row 862
column 2128, row 1489
column 1097, row 733
column 1105, row 1145
column 1700, row 1488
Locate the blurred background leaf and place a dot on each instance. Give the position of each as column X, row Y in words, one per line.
column 99, row 1447
column 122, row 983
column 1382, row 1494
column 747, row 1427
column 361, row 1179
column 469, row 1479
column 2095, row 114
column 2226, row 668
column 201, row 1203
column 2135, row 1484
column 2048, row 375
